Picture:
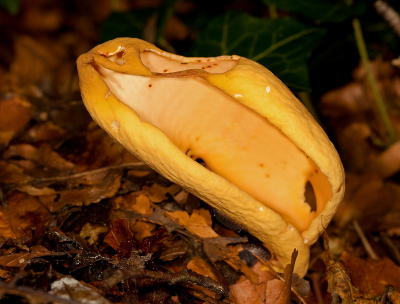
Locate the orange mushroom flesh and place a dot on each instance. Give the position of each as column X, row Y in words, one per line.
column 232, row 140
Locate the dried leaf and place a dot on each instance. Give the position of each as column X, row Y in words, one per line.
column 339, row 282
column 69, row 288
column 202, row 267
column 371, row 276
column 245, row 292
column 199, row 223
column 25, row 212
column 22, row 259
column 158, row 193
column 15, row 113
column 121, row 238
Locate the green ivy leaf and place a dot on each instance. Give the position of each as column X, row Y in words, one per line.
column 320, row 10
column 12, row 6
column 281, row 45
column 129, row 24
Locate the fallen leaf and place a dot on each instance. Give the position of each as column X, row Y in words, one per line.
column 371, row 276
column 245, row 292
column 69, row 288
column 339, row 282
column 158, row 193
column 202, row 267
column 199, row 223
column 120, row 238
column 21, row 259
column 142, row 229
column 15, row 113
column 135, row 201
column 25, row 212
column 91, row 232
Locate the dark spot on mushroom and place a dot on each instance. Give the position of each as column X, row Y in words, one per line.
column 203, row 68
column 267, row 175
column 198, row 60
column 184, row 63
column 261, row 165
column 209, row 66
column 215, row 64
column 208, row 59
column 150, row 85
column 165, row 71
column 316, row 171
column 197, row 139
column 309, row 195
column 187, row 152
column 200, row 161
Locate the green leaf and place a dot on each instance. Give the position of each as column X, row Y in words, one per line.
column 281, row 45
column 320, row 10
column 12, row 6
column 129, row 24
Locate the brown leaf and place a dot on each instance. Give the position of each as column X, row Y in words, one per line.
column 202, row 267
column 245, row 292
column 135, row 201
column 120, row 238
column 82, row 189
column 21, row 259
column 15, row 113
column 43, row 155
column 284, row 295
column 142, row 229
column 339, row 282
column 199, row 223
column 45, row 131
column 371, row 276
column 25, row 212
column 158, row 193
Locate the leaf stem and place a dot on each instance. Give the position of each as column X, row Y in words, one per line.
column 273, row 13
column 362, row 49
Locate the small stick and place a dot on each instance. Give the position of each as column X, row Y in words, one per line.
column 129, row 166
column 394, row 251
column 170, row 278
column 317, row 290
column 364, row 241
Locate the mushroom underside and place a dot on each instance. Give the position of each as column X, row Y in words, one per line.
column 227, row 137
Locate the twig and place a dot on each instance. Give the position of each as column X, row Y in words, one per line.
column 206, row 298
column 29, row 292
column 362, row 49
column 130, row 166
column 364, row 241
column 317, row 290
column 169, row 278
column 389, row 14
column 393, row 250
column 273, row 13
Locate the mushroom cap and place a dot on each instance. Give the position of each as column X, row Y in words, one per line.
column 257, row 91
